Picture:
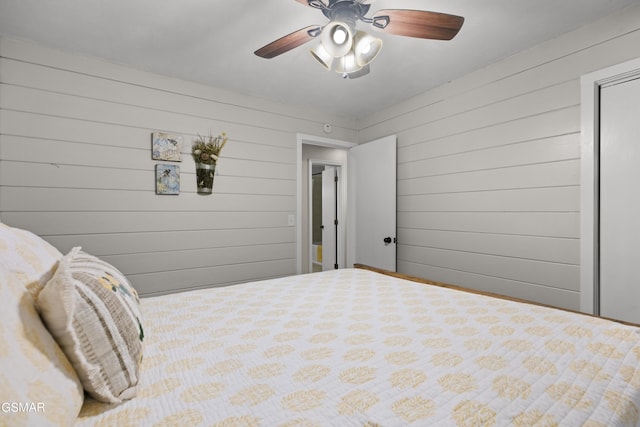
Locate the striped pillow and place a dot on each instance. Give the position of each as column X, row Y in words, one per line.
column 93, row 313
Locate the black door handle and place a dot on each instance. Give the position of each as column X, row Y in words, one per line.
column 387, row 240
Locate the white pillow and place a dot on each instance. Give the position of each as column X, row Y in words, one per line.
column 28, row 257
column 93, row 312
column 38, row 385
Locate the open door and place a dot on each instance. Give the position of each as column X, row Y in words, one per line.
column 372, row 204
column 619, row 225
column 329, row 218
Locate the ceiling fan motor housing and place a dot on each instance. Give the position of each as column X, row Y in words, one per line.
column 348, row 11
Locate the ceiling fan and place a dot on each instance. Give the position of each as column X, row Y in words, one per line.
column 348, row 51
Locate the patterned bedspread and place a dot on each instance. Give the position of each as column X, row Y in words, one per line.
column 356, row 348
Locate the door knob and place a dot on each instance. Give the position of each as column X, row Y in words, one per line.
column 387, row 240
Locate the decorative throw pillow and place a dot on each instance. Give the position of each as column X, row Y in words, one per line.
column 93, row 312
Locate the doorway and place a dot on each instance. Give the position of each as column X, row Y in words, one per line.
column 610, row 207
column 319, row 151
column 367, row 205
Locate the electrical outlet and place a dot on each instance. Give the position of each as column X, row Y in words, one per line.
column 291, row 220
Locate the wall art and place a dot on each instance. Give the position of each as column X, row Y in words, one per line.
column 166, row 147
column 167, row 179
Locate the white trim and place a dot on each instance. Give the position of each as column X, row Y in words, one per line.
column 590, row 132
column 323, row 142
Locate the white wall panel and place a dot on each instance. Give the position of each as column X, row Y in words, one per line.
column 538, row 248
column 489, row 167
column 176, row 240
column 611, row 40
column 76, row 168
column 309, row 120
column 491, row 283
column 558, row 224
column 14, row 173
column 72, row 223
column 561, row 173
column 158, row 262
column 549, row 274
column 25, row 199
column 164, row 282
column 559, row 199
column 540, row 126
column 105, row 90
column 551, row 149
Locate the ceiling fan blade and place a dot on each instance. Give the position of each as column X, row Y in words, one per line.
column 418, row 23
column 288, row 42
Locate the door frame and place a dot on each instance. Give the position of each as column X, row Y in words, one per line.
column 591, row 85
column 304, row 139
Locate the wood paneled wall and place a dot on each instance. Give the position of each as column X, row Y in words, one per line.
column 489, row 167
column 76, row 168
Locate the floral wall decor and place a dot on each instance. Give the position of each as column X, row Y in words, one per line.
column 206, row 152
column 167, row 179
column 166, row 147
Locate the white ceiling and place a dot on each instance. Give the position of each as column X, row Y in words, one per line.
column 212, row 42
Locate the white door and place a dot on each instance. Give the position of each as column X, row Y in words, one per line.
column 372, row 203
column 329, row 218
column 619, row 279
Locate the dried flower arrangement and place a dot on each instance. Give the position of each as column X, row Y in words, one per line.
column 207, row 149
column 206, row 152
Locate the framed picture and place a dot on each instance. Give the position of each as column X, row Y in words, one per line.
column 166, row 147
column 167, row 179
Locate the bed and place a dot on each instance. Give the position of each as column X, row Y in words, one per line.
column 350, row 347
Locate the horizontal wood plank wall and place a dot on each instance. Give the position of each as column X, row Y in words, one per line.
column 76, row 168
column 489, row 167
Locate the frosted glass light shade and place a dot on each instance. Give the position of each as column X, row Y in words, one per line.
column 361, row 72
column 337, row 38
column 348, row 63
column 366, row 47
column 321, row 55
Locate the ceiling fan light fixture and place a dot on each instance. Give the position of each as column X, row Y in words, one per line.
column 366, row 47
column 337, row 38
column 349, row 52
column 321, row 55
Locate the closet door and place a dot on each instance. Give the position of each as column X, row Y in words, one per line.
column 329, row 219
column 620, row 201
